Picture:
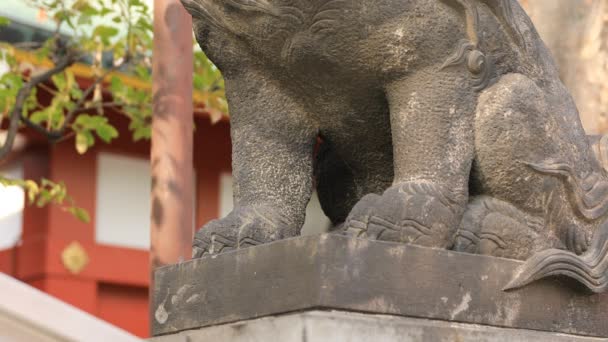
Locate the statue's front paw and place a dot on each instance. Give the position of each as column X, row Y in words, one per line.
column 216, row 237
column 243, row 227
column 419, row 213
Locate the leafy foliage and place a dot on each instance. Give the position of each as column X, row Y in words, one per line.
column 208, row 80
column 46, row 192
column 88, row 31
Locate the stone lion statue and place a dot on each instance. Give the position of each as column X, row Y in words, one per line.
column 440, row 123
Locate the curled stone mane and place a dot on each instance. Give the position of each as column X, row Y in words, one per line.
column 208, row 10
column 212, row 11
column 468, row 52
column 261, row 6
column 503, row 11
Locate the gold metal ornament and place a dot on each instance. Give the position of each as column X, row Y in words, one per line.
column 74, row 258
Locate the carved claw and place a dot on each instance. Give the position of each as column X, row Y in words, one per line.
column 217, row 244
column 418, row 213
column 243, row 227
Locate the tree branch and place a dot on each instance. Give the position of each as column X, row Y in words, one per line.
column 70, row 115
column 24, row 93
column 55, row 135
column 28, row 45
column 58, row 135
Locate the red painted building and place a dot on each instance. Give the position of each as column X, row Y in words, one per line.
column 100, row 267
column 103, row 267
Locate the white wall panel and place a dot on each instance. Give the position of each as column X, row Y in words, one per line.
column 12, row 200
column 122, row 216
column 316, row 221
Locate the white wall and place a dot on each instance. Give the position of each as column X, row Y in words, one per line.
column 316, row 221
column 226, row 200
column 122, row 216
column 12, row 200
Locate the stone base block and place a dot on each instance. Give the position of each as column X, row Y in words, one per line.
column 329, row 272
column 339, row 326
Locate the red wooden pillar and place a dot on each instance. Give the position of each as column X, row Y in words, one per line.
column 172, row 131
column 79, row 172
column 48, row 231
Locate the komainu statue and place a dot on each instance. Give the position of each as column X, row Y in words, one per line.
column 439, row 123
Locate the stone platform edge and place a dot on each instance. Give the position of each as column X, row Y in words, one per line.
column 321, row 326
column 341, row 273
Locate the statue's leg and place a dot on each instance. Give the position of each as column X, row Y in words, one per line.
column 272, row 142
column 523, row 134
column 432, row 132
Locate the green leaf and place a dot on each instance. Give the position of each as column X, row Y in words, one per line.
column 12, row 80
column 83, row 121
column 84, row 20
column 70, row 79
column 105, row 11
column 4, row 21
column 198, row 81
column 5, row 181
column 116, row 85
column 32, row 190
column 89, row 122
column 105, row 33
column 31, row 102
column 38, row 116
column 106, row 132
column 142, row 72
column 80, row 214
column 76, row 93
column 59, row 81
column 142, row 133
column 44, row 198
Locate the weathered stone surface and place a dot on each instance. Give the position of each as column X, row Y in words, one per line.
column 336, row 272
column 443, row 123
column 338, row 326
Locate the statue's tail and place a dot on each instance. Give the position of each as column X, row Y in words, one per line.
column 590, row 199
column 590, row 268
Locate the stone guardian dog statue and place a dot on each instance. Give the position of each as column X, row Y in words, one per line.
column 443, row 123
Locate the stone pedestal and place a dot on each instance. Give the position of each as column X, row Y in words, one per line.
column 397, row 290
column 338, row 326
